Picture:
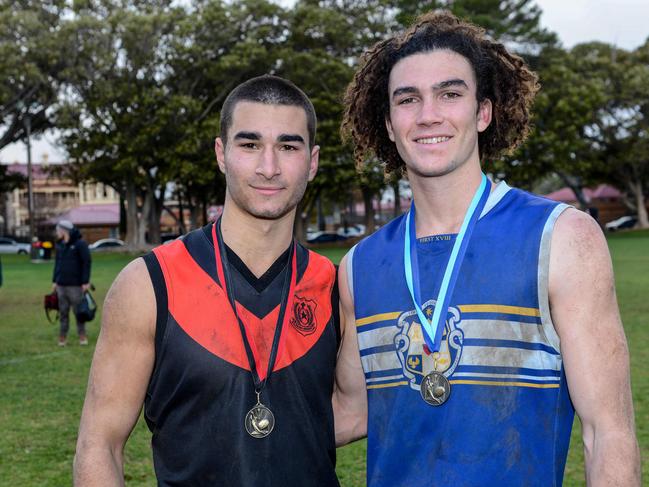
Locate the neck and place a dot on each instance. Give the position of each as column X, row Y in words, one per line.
column 257, row 242
column 442, row 201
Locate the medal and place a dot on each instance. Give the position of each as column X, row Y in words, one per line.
column 435, row 388
column 260, row 420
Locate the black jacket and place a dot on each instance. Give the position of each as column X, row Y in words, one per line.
column 72, row 265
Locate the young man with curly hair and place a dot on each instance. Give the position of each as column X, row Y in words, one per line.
column 485, row 316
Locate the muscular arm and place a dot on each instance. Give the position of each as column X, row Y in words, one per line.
column 585, row 313
column 119, row 375
column 350, row 396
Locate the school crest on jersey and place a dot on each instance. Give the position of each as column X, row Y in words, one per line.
column 415, row 357
column 303, row 319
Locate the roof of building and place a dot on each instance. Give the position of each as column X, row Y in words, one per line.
column 39, row 171
column 91, row 214
column 567, row 195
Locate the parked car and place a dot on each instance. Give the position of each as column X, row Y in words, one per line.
column 620, row 223
column 324, row 237
column 10, row 246
column 106, row 244
column 352, row 231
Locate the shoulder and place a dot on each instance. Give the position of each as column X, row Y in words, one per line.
column 577, row 233
column 131, row 299
column 579, row 254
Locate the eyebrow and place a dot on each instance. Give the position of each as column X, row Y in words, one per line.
column 248, row 135
column 290, row 138
column 280, row 138
column 406, row 90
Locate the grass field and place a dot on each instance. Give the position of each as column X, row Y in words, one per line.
column 42, row 386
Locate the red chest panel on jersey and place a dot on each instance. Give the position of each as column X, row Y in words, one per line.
column 201, row 308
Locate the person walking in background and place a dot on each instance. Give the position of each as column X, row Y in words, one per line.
column 71, row 277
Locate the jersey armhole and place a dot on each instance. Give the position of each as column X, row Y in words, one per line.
column 543, row 276
column 160, row 290
column 335, row 308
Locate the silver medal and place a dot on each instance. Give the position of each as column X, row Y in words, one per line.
column 259, row 421
column 435, row 389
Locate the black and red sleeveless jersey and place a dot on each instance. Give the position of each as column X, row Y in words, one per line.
column 201, row 387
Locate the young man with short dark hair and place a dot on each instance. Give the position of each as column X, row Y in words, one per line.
column 228, row 336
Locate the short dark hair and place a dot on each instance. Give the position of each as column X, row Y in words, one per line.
column 501, row 77
column 269, row 90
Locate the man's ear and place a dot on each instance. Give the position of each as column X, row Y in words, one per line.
column 388, row 126
column 219, row 150
column 313, row 163
column 484, row 114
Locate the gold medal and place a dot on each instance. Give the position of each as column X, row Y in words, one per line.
column 259, row 421
column 435, row 389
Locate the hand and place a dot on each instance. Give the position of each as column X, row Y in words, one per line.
column 53, row 286
column 85, row 287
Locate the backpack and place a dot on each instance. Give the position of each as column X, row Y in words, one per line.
column 51, row 303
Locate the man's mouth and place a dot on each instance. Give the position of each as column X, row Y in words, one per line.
column 432, row 140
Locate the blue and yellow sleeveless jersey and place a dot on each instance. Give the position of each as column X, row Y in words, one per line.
column 509, row 416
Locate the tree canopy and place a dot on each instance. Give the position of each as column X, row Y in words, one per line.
column 135, row 88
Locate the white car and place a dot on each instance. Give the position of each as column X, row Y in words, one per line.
column 10, row 246
column 620, row 223
column 106, row 244
column 357, row 230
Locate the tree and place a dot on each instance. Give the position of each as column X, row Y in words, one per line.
column 620, row 131
column 516, row 23
column 325, row 40
column 564, row 109
column 33, row 64
column 120, row 119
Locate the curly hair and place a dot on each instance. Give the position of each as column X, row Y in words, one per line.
column 501, row 77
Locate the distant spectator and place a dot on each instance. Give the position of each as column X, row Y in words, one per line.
column 71, row 278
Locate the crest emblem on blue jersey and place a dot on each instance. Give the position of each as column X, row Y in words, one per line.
column 416, row 360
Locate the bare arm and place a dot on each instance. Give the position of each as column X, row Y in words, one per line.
column 119, row 376
column 350, row 396
column 596, row 358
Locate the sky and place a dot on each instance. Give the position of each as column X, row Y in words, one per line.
column 624, row 23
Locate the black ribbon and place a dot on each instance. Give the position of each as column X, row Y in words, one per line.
column 229, row 287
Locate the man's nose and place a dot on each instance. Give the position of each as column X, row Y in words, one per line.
column 268, row 166
column 429, row 113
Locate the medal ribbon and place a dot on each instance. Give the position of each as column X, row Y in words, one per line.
column 288, row 288
column 433, row 328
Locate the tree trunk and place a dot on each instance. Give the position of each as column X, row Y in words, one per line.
column 145, row 212
column 123, row 218
column 638, row 191
column 397, row 198
column 574, row 183
column 322, row 225
column 182, row 229
column 131, row 237
column 155, row 212
column 301, row 222
column 368, row 197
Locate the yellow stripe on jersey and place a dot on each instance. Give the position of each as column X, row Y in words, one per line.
column 473, row 382
column 465, row 308
column 519, row 384
column 389, row 384
column 380, row 317
column 496, row 308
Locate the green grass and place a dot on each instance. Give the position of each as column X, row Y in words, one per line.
column 42, row 386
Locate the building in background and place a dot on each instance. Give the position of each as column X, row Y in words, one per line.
column 94, row 205
column 605, row 203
